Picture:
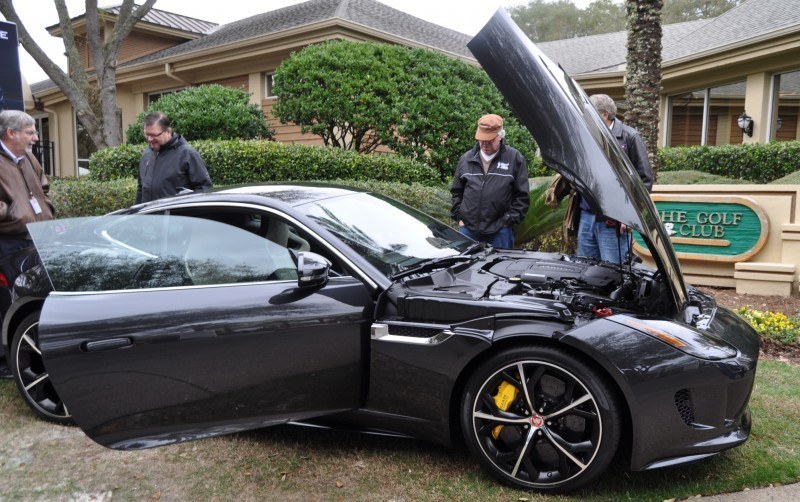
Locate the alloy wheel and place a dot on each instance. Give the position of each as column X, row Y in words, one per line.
column 535, row 423
column 32, row 378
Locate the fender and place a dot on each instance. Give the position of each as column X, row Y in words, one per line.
column 20, row 307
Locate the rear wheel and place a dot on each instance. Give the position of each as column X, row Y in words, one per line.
column 538, row 418
column 31, row 377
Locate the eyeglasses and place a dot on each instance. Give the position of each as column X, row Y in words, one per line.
column 154, row 136
column 29, row 133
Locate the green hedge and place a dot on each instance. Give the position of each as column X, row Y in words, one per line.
column 238, row 161
column 73, row 197
column 755, row 162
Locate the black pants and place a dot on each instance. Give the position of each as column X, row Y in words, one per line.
column 8, row 246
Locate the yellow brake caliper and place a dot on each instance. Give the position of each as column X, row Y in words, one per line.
column 506, row 394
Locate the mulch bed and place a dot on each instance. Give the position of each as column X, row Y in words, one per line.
column 789, row 305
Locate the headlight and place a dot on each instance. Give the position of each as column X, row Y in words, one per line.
column 682, row 337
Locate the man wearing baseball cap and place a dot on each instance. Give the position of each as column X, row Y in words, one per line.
column 490, row 189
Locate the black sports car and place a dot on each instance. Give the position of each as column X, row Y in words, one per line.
column 240, row 308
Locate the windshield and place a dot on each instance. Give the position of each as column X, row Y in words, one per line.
column 388, row 234
column 154, row 251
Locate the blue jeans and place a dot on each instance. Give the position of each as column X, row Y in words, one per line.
column 503, row 238
column 598, row 240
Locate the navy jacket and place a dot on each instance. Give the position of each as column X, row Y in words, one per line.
column 488, row 202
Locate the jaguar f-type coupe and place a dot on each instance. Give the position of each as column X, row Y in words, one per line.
column 249, row 306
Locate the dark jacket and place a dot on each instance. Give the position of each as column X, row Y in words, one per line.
column 632, row 144
column 18, row 184
column 174, row 167
column 488, row 202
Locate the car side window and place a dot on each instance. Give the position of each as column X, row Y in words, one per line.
column 218, row 253
column 142, row 251
column 288, row 235
column 194, row 251
column 274, row 229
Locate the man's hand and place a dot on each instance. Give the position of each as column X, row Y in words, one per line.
column 623, row 229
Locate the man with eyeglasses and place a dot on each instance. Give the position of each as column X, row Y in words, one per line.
column 23, row 184
column 23, row 189
column 168, row 165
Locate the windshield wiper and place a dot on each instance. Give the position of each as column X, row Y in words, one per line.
column 476, row 245
column 430, row 264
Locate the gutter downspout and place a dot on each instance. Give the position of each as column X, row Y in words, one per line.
column 168, row 72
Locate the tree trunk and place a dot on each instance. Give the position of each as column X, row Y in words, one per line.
column 93, row 95
column 643, row 85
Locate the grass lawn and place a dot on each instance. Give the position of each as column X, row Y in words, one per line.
column 43, row 461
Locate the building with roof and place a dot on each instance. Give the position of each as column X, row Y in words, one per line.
column 713, row 70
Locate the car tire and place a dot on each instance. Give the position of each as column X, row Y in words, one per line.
column 556, row 433
column 28, row 371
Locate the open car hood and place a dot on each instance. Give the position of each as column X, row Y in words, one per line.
column 572, row 138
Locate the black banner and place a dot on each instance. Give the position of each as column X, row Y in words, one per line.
column 10, row 77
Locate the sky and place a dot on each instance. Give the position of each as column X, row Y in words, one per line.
column 466, row 16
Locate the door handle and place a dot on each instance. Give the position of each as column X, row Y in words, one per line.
column 110, row 344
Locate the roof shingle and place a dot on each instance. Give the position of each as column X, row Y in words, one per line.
column 368, row 13
column 597, row 53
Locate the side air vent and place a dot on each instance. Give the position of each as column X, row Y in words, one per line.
column 413, row 331
column 683, row 402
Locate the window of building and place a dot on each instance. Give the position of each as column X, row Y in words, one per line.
column 84, row 144
column 269, row 83
column 706, row 116
column 44, row 149
column 154, row 96
column 783, row 119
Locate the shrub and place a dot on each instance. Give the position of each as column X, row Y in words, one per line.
column 237, row 161
column 115, row 163
column 207, row 112
column 695, row 178
column 421, row 104
column 755, row 162
column 74, row 197
column 536, row 168
column 773, row 326
column 541, row 219
column 433, row 200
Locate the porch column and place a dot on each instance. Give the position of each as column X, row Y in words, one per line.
column 757, row 105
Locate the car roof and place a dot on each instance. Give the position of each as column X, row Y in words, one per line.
column 267, row 194
column 294, row 194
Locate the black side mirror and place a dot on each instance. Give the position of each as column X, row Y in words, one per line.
column 312, row 269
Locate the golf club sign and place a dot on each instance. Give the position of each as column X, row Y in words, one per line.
column 707, row 227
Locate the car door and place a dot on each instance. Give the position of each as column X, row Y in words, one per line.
column 164, row 328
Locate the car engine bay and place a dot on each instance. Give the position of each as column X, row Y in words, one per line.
column 579, row 288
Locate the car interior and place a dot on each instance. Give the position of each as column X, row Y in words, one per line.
column 269, row 227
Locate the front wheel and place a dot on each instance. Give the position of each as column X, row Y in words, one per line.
column 33, row 381
column 538, row 418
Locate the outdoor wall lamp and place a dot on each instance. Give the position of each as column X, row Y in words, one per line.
column 745, row 123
